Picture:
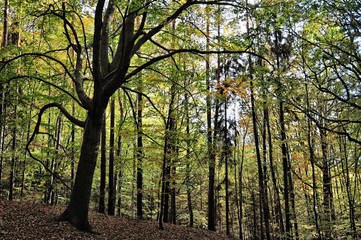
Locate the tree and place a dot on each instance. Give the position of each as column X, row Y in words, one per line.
column 107, row 64
column 111, row 176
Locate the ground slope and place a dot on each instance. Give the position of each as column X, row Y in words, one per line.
column 26, row 220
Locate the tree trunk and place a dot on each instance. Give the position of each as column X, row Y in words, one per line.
column 168, row 154
column 211, row 157
column 4, row 42
column 103, row 169
column 13, row 157
column 346, row 173
column 310, row 144
column 119, row 154
column 2, row 93
column 13, row 162
column 188, row 165
column 278, row 208
column 226, row 156
column 77, row 211
column 292, row 199
column 25, row 154
column 264, row 214
column 72, row 156
column 326, row 181
column 140, row 156
column 240, row 176
column 111, row 177
column 285, row 166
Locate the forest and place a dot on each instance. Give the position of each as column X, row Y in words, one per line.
column 242, row 117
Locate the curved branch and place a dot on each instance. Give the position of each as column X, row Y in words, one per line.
column 49, row 83
column 194, row 51
column 83, row 97
column 148, row 98
column 156, row 29
column 36, row 131
column 320, row 126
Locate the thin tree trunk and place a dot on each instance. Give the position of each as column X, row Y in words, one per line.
column 265, row 177
column 310, row 143
column 52, row 188
column 140, row 155
column 133, row 205
column 188, row 165
column 286, row 191
column 111, row 177
column 2, row 134
column 168, row 153
column 72, row 166
column 13, row 148
column 292, row 199
column 103, row 169
column 278, row 208
column 173, row 207
column 326, row 181
column 119, row 154
column 4, row 43
column 6, row 23
column 25, row 154
column 210, row 151
column 240, row 176
column 263, row 208
column 13, row 160
column 226, row 150
column 346, row 172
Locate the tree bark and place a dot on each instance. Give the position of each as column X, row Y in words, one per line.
column 211, row 157
column 226, row 156
column 103, row 169
column 326, row 181
column 77, row 211
column 111, row 177
column 278, row 208
column 285, row 167
column 263, row 204
column 188, row 165
column 140, row 156
column 13, row 157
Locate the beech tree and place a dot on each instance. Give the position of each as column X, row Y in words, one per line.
column 273, row 132
column 99, row 67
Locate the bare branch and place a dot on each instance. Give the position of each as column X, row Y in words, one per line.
column 147, row 97
column 83, row 97
column 193, row 51
column 36, row 131
column 49, row 83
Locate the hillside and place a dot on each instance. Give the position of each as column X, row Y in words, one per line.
column 27, row 220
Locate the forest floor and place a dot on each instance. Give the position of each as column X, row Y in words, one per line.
column 27, row 220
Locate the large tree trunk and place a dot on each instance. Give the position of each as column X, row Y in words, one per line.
column 77, row 210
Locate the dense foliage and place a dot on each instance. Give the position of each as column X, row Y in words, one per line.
column 244, row 112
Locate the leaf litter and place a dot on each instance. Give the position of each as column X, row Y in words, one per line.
column 30, row 220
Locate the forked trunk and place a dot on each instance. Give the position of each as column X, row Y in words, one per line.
column 77, row 210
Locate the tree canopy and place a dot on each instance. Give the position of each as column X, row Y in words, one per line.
column 237, row 116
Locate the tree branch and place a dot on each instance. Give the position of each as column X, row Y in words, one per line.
column 36, row 131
